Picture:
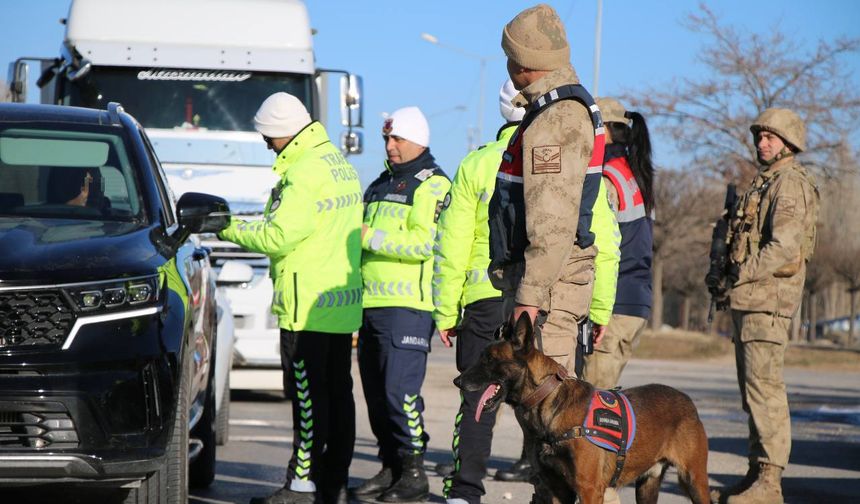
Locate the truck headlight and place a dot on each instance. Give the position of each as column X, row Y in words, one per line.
column 113, row 295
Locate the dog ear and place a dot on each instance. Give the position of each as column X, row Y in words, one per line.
column 522, row 336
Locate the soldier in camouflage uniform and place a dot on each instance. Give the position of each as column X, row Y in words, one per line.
column 541, row 247
column 773, row 234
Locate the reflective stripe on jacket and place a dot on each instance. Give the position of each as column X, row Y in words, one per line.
column 402, row 208
column 637, row 237
column 311, row 231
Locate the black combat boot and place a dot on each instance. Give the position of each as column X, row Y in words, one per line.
column 333, row 495
column 444, row 469
column 375, row 485
column 285, row 496
column 412, row 485
column 521, row 470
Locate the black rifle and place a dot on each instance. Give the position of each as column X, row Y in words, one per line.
column 715, row 280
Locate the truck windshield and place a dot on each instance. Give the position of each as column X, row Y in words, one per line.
column 223, row 100
column 66, row 170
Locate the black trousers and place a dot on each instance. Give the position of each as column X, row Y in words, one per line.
column 473, row 440
column 323, row 408
column 392, row 358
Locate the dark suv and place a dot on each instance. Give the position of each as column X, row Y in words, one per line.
column 107, row 309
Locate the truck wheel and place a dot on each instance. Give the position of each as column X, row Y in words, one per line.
column 202, row 471
column 169, row 485
column 222, row 426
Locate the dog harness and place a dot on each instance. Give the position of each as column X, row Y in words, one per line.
column 610, row 422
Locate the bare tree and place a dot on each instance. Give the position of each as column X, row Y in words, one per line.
column 840, row 232
column 710, row 116
column 686, row 206
column 819, row 275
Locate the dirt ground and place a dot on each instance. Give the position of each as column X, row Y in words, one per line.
column 687, row 345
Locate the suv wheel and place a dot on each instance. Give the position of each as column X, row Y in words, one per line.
column 202, row 472
column 169, row 485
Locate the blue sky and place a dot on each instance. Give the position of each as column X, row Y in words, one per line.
column 644, row 44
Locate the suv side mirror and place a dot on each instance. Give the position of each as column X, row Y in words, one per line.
column 201, row 213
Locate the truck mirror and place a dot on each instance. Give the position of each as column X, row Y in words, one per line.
column 351, row 142
column 20, row 78
column 77, row 73
column 351, row 89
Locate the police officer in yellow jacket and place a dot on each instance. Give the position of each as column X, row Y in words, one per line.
column 402, row 208
column 461, row 285
column 311, row 233
column 772, row 238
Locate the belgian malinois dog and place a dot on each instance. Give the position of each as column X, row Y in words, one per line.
column 551, row 409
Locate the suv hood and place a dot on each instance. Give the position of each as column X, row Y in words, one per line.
column 53, row 251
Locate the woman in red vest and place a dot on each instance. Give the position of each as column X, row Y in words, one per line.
column 629, row 175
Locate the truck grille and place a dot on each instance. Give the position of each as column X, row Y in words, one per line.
column 36, row 430
column 39, row 317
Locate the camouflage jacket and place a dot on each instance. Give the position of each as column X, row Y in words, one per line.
column 552, row 197
column 773, row 235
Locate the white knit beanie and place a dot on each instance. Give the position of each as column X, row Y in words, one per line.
column 506, row 96
column 281, row 115
column 408, row 123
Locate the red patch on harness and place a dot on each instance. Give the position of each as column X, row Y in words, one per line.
column 607, row 421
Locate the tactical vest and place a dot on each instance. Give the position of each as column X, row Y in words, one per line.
column 633, row 294
column 508, row 239
column 746, row 225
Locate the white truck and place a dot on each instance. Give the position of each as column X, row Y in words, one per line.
column 194, row 72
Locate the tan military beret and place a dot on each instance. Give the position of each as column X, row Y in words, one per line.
column 535, row 39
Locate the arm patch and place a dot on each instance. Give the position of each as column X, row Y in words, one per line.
column 546, row 159
column 786, row 206
column 441, row 205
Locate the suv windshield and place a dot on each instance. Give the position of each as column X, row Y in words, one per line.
column 71, row 171
column 177, row 98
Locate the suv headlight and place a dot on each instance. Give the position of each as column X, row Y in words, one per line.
column 100, row 297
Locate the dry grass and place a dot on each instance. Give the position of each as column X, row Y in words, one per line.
column 687, row 345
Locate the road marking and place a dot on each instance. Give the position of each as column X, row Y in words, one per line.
column 258, row 423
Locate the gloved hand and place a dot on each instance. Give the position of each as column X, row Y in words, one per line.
column 712, row 282
column 733, row 273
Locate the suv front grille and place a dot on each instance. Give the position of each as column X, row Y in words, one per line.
column 37, row 429
column 38, row 317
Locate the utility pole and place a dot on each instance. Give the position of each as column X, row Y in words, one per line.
column 597, row 31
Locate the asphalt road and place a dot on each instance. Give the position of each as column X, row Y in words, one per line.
column 825, row 459
column 824, row 465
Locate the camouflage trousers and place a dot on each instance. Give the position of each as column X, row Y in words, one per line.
column 557, row 325
column 760, row 340
column 603, row 368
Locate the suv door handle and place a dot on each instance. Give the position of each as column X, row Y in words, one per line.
column 200, row 254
